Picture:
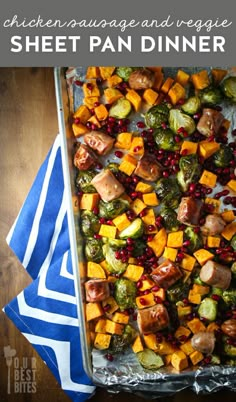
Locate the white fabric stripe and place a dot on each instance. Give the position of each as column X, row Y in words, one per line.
column 57, row 229
column 37, row 313
column 35, row 226
column 62, row 352
column 64, row 272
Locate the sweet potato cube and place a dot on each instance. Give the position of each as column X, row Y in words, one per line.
column 102, row 341
column 93, row 120
column 170, row 253
column 232, row 185
column 113, row 81
column 89, row 201
column 182, row 77
column 106, row 72
column 189, row 147
column 114, row 328
column 167, row 85
column 175, row 239
column 112, row 303
column 121, row 221
column 150, row 96
column 150, row 199
column 179, row 360
column 208, row 148
column 176, row 93
column 92, row 72
column 137, row 206
column 208, row 179
column 158, row 243
column 203, row 256
column 200, row 289
column 90, row 100
column 149, row 218
column 165, row 348
column 91, row 89
column 182, row 331
column 101, row 326
column 147, row 284
column 134, row 98
column 187, row 348
column 112, row 95
column 213, row 241
column 123, row 141
column 151, row 341
column 200, row 80
column 82, row 113
column 108, row 231
column 188, row 262
column 137, row 345
column 229, row 231
column 95, row 270
column 101, row 112
column 93, row 310
column 195, row 325
column 147, row 299
column 128, row 164
column 143, row 187
column 79, row 129
column 133, row 272
column 120, row 318
column 137, row 146
column 194, row 298
column 228, row 216
column 214, row 202
column 196, row 357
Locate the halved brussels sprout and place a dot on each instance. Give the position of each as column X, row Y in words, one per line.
column 120, row 109
column 125, row 293
column 124, row 72
column 190, row 171
column 168, row 191
column 192, row 105
column 165, row 139
column 93, row 250
column 112, row 209
column 229, row 88
column 134, row 230
column 115, row 266
column 223, row 156
column 179, row 120
column 169, row 217
column 150, row 360
column 210, row 96
column 83, row 181
column 89, row 223
column 120, row 342
column 157, row 115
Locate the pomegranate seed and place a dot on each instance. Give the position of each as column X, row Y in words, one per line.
column 109, row 357
column 185, row 301
column 88, row 124
column 164, row 125
column 202, row 221
column 180, row 255
column 186, row 243
column 207, row 359
column 151, row 228
column 146, row 292
column 196, row 116
column 182, row 338
column 142, row 301
column 211, row 138
column 180, row 130
column 109, row 222
column 197, row 229
column 96, row 104
column 155, row 288
column 97, row 236
column 139, row 284
column 181, row 101
column 94, row 126
column 192, row 187
column 140, row 124
column 165, row 173
column 136, row 149
column 158, row 299
column 118, row 154
column 134, row 194
column 95, row 210
column 90, row 86
column 184, row 152
column 143, row 213
column 227, row 200
column 106, row 307
column 79, row 83
column 77, row 120
column 215, row 297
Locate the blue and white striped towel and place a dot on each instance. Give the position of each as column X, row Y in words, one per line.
column 46, row 312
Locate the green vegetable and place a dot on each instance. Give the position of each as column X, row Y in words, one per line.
column 165, row 139
column 215, row 359
column 190, row 171
column 150, row 360
column 83, row 181
column 197, row 280
column 223, row 156
column 233, row 270
column 210, row 96
column 139, row 247
column 112, row 209
column 113, row 167
column 216, row 291
column 178, row 292
column 208, row 309
column 115, row 266
column 124, row 72
column 93, row 250
column 229, row 296
column 192, row 105
column 229, row 88
column 169, row 217
column 124, row 294
column 231, row 362
column 229, row 350
column 134, row 230
column 89, row 223
column 196, row 241
column 168, row 191
column 120, row 109
column 116, row 243
column 157, row 115
column 233, row 242
column 179, row 120
column 121, row 342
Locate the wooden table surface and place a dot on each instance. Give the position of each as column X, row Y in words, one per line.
column 28, row 126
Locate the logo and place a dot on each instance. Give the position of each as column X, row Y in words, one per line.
column 20, row 371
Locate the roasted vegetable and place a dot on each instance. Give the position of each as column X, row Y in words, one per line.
column 115, row 243
column 113, row 167
column 208, row 309
column 196, row 241
column 233, row 242
column 157, row 115
column 229, row 350
column 134, row 230
column 168, row 192
column 93, row 250
column 120, row 109
column 124, row 72
column 192, row 105
column 229, row 296
column 169, row 217
column 229, row 88
column 223, row 156
column 114, row 265
column 179, row 121
column 165, row 139
column 210, row 96
column 125, row 292
column 190, row 171
column 121, row 342
column 178, row 291
column 138, row 248
column 89, row 223
column 233, row 270
column 112, row 209
column 83, row 181
column 150, row 360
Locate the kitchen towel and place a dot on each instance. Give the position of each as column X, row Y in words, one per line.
column 45, row 312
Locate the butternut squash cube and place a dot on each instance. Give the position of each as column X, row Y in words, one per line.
column 218, row 74
column 150, row 199
column 133, row 272
column 158, row 243
column 134, row 98
column 91, row 89
column 106, row 72
column 149, row 218
column 232, row 185
column 89, row 201
column 158, row 78
column 179, row 360
column 150, row 96
column 147, row 284
column 137, row 345
column 137, row 206
column 120, row 318
column 208, row 148
column 121, row 222
column 90, row 100
column 113, row 81
column 112, row 303
column 182, row 331
column 187, row 348
column 108, row 231
column 175, row 239
column 188, row 262
column 160, row 293
column 79, row 129
column 200, row 289
column 183, row 311
column 195, row 325
column 137, row 146
column 200, row 80
column 203, row 256
column 95, row 121
column 101, row 112
column 112, row 95
column 128, row 164
column 102, row 341
column 176, row 93
column 151, row 341
column 213, row 241
column 148, row 301
column 165, row 348
column 95, row 270
column 229, row 231
column 82, row 113
column 92, row 72
column 212, row 327
column 208, row 179
column 182, row 77
column 194, row 298
column 196, row 357
column 228, row 216
column 93, row 310
column 101, row 326
column 143, row 187
column 123, row 141
column 167, row 85
column 189, row 147
column 114, row 328
column 170, row 253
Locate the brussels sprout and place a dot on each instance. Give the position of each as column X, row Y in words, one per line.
column 165, row 139
column 210, row 96
column 208, row 309
column 150, row 360
column 216, row 291
column 120, row 109
column 233, row 242
column 233, row 270
column 169, row 217
column 196, row 241
column 229, row 350
column 93, row 250
column 125, row 292
column 229, row 88
column 192, row 105
column 190, row 171
column 168, row 192
column 124, row 72
column 112, row 209
column 89, row 223
column 121, row 342
column 157, row 115
column 179, row 120
column 215, row 359
column 229, row 296
column 116, row 243
column 134, row 230
column 138, row 248
column 178, row 292
column 223, row 156
column 113, row 167
column 115, row 266
column 83, row 181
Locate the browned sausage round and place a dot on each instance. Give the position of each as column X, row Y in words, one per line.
column 215, row 274
column 100, row 142
column 166, row 274
column 229, row 327
column 152, row 319
column 84, row 158
column 141, row 79
column 97, row 290
column 148, row 168
column 210, row 122
column 204, row 342
column 214, row 225
column 189, row 211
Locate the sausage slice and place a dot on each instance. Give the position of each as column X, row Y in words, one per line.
column 84, row 158
column 107, row 186
column 215, row 274
column 100, row 142
column 141, row 79
column 189, row 211
column 152, row 319
column 148, row 168
column 204, row 342
column 213, row 225
column 210, row 122
column 97, row 290
column 166, row 274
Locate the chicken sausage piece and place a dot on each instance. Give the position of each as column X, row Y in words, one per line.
column 141, row 79
column 215, row 274
column 213, row 225
column 152, row 319
column 97, row 290
column 204, row 342
column 189, row 211
column 166, row 274
column 84, row 158
column 210, row 122
column 148, row 168
column 107, row 186
column 100, row 142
